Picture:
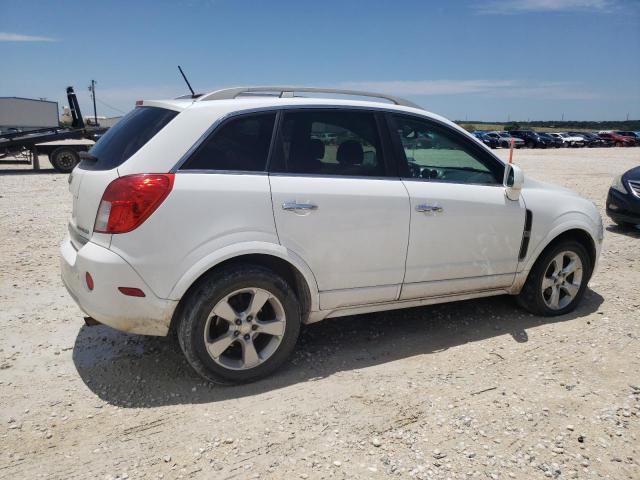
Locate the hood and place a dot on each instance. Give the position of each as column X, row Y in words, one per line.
column 531, row 183
column 633, row 174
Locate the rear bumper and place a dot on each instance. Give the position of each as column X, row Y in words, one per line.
column 148, row 315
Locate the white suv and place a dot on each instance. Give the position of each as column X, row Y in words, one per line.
column 233, row 217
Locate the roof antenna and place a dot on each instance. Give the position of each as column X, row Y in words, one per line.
column 193, row 94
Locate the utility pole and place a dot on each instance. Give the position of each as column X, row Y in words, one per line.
column 92, row 89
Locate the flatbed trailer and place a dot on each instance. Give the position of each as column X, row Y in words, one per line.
column 61, row 145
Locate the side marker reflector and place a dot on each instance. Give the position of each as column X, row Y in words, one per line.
column 131, row 292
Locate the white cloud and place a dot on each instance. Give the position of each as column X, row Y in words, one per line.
column 18, row 37
column 527, row 6
column 429, row 87
column 490, row 88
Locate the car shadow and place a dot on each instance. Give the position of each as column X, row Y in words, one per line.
column 629, row 231
column 134, row 371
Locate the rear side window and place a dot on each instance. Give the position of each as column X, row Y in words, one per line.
column 127, row 137
column 240, row 144
column 318, row 142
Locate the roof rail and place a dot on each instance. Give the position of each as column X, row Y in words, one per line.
column 287, row 92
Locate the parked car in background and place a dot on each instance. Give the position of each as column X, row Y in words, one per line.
column 504, row 139
column 491, row 142
column 623, row 200
column 532, row 139
column 618, row 140
column 628, row 134
column 591, row 140
column 553, row 141
column 229, row 222
column 569, row 140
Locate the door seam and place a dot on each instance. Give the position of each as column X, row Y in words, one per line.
column 406, row 253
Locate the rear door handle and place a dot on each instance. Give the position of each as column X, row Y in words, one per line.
column 295, row 206
column 423, row 207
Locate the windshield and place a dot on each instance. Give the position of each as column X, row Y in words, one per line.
column 127, row 137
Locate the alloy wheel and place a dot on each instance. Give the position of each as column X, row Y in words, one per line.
column 245, row 328
column 562, row 280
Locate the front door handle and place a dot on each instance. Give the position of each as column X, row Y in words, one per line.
column 423, row 207
column 295, row 206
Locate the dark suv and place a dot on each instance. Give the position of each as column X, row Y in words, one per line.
column 532, row 139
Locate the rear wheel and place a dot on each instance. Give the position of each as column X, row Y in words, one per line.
column 557, row 281
column 239, row 325
column 64, row 159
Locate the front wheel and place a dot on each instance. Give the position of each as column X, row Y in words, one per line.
column 239, row 324
column 557, row 281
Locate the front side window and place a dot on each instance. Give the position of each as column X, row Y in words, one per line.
column 240, row 144
column 433, row 152
column 321, row 142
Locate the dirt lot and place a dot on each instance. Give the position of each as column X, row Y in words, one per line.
column 476, row 389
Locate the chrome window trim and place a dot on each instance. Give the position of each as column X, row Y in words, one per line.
column 327, row 175
column 431, row 180
column 279, row 108
column 225, row 172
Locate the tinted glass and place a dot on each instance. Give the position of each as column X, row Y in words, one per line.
column 240, row 144
column 329, row 143
column 433, row 152
column 127, row 137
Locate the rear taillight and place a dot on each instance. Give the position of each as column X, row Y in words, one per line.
column 129, row 201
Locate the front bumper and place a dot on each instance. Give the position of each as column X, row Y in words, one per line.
column 148, row 315
column 623, row 207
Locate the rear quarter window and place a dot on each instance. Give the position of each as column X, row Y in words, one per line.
column 127, row 136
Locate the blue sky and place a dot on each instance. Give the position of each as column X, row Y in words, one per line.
column 482, row 60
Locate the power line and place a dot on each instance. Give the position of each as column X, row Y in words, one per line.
column 109, row 106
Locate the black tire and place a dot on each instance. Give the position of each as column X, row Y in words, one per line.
column 531, row 296
column 204, row 297
column 64, row 159
column 624, row 225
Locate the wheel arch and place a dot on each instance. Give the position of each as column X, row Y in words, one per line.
column 581, row 236
column 297, row 276
column 576, row 233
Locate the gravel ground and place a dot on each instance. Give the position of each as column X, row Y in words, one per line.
column 475, row 389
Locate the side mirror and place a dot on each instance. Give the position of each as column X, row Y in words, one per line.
column 513, row 181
